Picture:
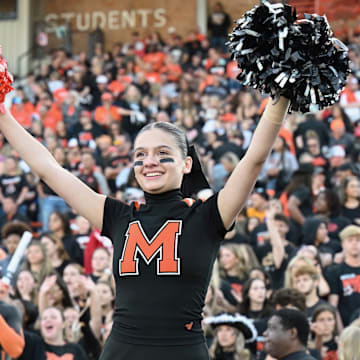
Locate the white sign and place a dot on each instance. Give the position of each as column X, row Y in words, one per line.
column 111, row 20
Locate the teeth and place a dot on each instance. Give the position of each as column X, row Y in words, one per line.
column 152, row 174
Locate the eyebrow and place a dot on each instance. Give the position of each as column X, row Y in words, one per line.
column 157, row 147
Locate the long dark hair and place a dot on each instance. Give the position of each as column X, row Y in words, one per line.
column 245, row 305
column 297, row 180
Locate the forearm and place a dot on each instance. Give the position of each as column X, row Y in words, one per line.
column 277, row 246
column 267, row 130
column 11, row 342
column 30, row 150
column 95, row 314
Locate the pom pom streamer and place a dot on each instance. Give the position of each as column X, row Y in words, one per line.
column 5, row 80
column 283, row 56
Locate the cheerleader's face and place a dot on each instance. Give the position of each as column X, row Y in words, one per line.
column 158, row 163
column 226, row 335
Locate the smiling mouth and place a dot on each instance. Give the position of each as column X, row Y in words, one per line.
column 154, row 174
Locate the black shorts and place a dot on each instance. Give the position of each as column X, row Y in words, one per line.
column 116, row 350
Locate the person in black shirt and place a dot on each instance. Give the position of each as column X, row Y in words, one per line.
column 164, row 250
column 323, row 326
column 52, row 331
column 344, row 278
column 287, row 334
column 306, row 280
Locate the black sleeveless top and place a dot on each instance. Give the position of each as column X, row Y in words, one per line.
column 164, row 252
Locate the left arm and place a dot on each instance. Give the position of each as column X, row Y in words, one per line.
column 233, row 196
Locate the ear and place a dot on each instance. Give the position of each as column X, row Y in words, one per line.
column 188, row 165
column 293, row 333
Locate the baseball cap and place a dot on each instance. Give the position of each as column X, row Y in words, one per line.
column 349, row 230
column 337, row 150
column 101, row 79
column 262, row 192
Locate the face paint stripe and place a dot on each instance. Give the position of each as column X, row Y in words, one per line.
column 166, row 160
column 138, row 163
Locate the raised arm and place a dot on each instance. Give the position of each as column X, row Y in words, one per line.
column 78, row 195
column 236, row 190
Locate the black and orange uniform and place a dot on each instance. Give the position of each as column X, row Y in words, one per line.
column 164, row 252
column 11, row 336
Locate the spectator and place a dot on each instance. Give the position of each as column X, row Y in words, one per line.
column 344, row 277
column 11, row 212
column 52, row 329
column 218, row 24
column 287, row 335
column 324, row 329
column 37, row 261
column 232, row 333
column 350, row 199
column 306, row 281
column 13, row 183
column 55, row 251
column 349, row 345
column 11, row 234
column 106, row 113
column 100, row 264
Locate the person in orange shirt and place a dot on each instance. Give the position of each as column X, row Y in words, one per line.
column 21, row 112
column 107, row 112
column 49, row 112
column 155, row 57
column 172, row 69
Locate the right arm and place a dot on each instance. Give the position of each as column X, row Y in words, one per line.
column 79, row 196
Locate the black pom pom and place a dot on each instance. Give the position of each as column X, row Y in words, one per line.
column 281, row 56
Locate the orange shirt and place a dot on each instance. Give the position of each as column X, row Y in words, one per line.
column 232, row 70
column 52, row 117
column 156, row 59
column 116, row 87
column 173, row 71
column 104, row 116
column 23, row 114
column 153, row 77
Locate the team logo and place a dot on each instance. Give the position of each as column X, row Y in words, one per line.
column 164, row 244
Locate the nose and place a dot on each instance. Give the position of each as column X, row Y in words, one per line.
column 150, row 160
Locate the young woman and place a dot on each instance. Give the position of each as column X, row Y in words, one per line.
column 323, row 326
column 254, row 301
column 232, row 332
column 59, row 225
column 37, row 261
column 164, row 250
column 350, row 199
column 56, row 252
column 52, row 331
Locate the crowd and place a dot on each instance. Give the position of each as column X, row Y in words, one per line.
column 295, row 245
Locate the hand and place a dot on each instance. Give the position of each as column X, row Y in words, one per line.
column 317, row 329
column 47, row 284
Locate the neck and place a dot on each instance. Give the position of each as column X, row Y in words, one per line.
column 230, row 348
column 59, row 233
column 232, row 272
column 327, row 338
column 293, row 349
column 312, row 298
column 256, row 306
column 55, row 259
column 352, row 261
column 352, row 202
column 59, row 341
column 35, row 267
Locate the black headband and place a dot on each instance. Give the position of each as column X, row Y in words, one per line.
column 195, row 180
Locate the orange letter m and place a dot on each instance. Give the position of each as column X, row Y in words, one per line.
column 164, row 242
